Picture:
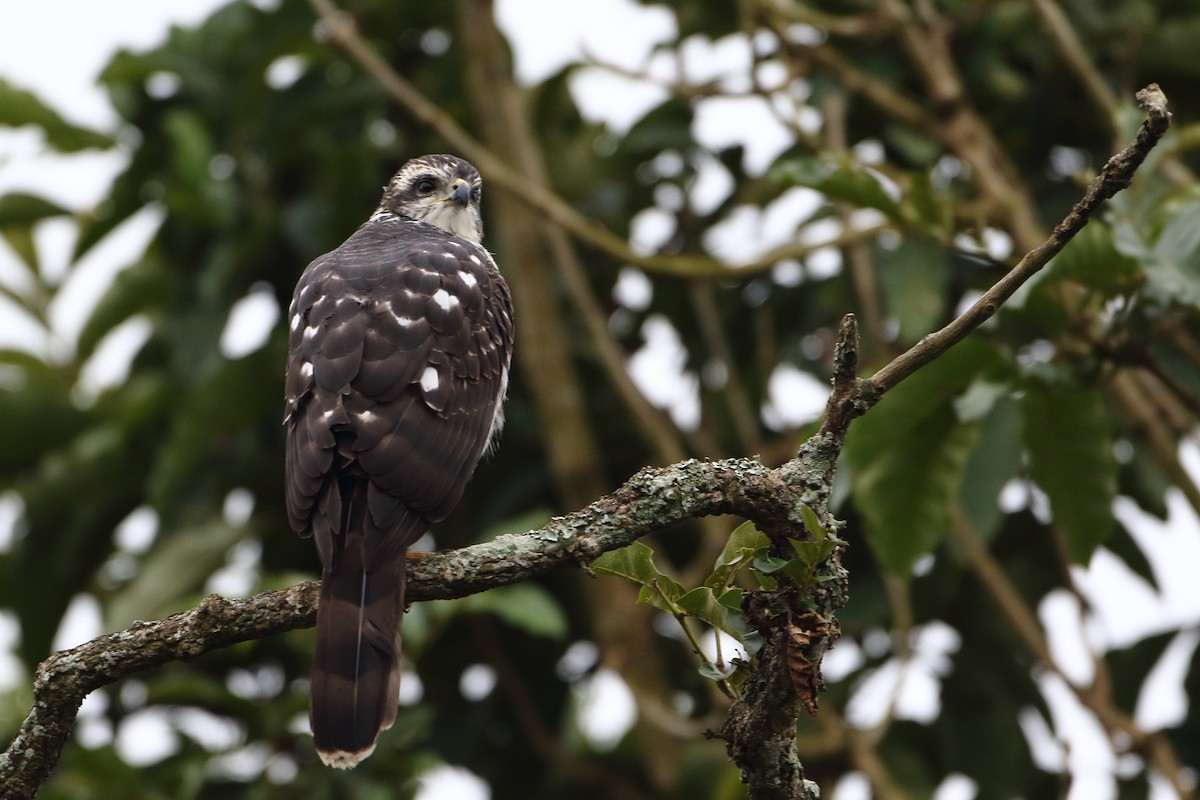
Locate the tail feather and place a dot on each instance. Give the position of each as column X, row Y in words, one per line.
column 356, row 669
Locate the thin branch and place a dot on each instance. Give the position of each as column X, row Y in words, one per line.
column 543, row 741
column 847, row 400
column 862, row 749
column 857, row 255
column 741, row 410
column 1163, row 445
column 1155, row 747
column 925, row 36
column 1077, row 58
column 339, row 27
column 856, row 26
column 892, row 103
column 1114, row 177
column 547, row 361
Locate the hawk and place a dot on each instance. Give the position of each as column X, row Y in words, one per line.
column 398, row 357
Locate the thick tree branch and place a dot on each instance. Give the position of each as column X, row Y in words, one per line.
column 649, row 501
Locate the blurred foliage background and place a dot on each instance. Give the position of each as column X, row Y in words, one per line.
column 930, row 140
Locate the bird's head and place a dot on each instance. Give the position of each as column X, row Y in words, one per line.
column 440, row 190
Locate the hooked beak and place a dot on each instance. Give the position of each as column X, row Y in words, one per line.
column 461, row 195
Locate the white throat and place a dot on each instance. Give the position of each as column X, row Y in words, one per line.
column 454, row 219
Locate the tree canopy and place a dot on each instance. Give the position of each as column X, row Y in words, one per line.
column 786, row 163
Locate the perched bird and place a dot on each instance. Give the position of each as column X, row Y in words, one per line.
column 397, row 369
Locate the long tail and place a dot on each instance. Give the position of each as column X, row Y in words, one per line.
column 356, row 670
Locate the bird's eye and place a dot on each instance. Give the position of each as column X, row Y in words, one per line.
column 425, row 186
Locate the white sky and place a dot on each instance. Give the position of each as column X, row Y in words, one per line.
column 57, row 48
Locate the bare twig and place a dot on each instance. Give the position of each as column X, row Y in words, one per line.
column 1077, row 58
column 847, row 399
column 1114, row 177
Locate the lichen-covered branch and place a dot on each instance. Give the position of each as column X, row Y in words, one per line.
column 649, row 501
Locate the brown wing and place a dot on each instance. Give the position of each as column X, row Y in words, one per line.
column 397, row 366
column 398, row 361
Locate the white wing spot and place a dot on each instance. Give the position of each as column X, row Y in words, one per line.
column 430, row 379
column 306, row 369
column 475, row 259
column 310, row 331
column 403, row 322
column 467, row 278
column 295, row 321
column 444, row 299
column 366, row 416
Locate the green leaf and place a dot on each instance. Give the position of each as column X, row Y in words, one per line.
column 636, row 563
column 192, row 147
column 40, row 417
column 840, row 179
column 20, row 239
column 746, row 538
column 979, row 399
column 138, row 288
column 716, row 673
column 526, row 606
column 810, row 554
column 1069, row 437
column 996, row 459
column 22, row 209
column 765, row 562
column 732, row 600
column 812, row 524
column 742, row 544
column 19, row 108
column 1174, row 264
column 906, row 457
column 753, row 642
column 1092, row 259
column 663, row 593
column 931, row 209
column 706, row 606
column 914, row 277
